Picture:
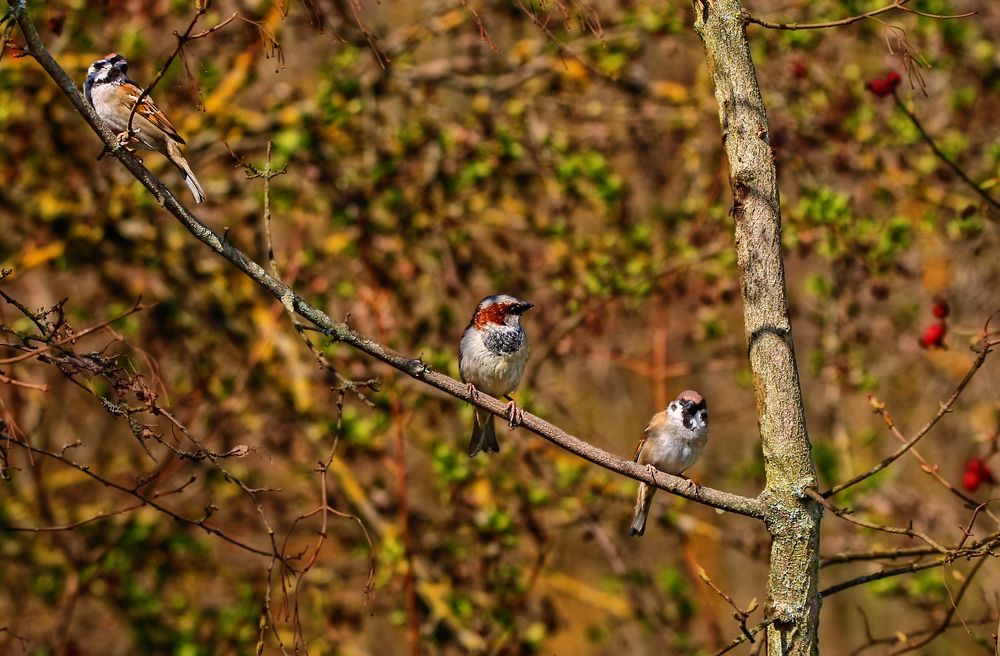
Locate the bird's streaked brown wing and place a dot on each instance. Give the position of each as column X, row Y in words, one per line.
column 638, row 448
column 149, row 111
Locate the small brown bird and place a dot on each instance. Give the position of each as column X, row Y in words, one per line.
column 113, row 95
column 673, row 441
column 492, row 357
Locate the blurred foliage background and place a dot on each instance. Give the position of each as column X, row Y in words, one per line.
column 572, row 157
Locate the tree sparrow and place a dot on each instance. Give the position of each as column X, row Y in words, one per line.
column 673, row 441
column 113, row 95
column 492, row 356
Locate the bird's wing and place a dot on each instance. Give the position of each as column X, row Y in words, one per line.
column 642, row 443
column 149, row 111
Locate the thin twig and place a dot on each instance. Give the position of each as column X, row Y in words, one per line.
column 944, row 158
column 739, row 640
column 911, row 646
column 897, row 5
column 980, row 549
column 41, row 387
column 200, row 10
column 33, row 353
column 845, row 515
column 943, row 409
column 149, row 501
column 741, row 615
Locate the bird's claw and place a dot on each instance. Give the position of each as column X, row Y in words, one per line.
column 515, row 415
column 473, row 392
column 126, row 137
column 652, row 472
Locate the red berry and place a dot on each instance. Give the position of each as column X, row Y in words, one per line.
column 933, row 336
column 941, row 309
column 884, row 86
column 976, row 473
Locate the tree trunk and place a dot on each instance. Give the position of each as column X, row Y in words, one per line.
column 793, row 519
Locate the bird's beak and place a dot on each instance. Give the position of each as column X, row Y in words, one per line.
column 521, row 308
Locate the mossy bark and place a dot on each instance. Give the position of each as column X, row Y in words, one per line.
column 792, row 518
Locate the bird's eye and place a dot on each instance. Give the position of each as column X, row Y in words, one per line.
column 703, row 416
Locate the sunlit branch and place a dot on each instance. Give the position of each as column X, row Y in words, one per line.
column 943, row 409
column 898, row 5
column 980, row 549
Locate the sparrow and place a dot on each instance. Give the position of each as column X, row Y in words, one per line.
column 113, row 95
column 673, row 441
column 492, row 355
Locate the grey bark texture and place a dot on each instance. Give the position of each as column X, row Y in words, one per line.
column 792, row 518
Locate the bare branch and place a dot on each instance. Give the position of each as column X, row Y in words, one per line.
column 845, row 515
column 150, row 501
column 741, row 614
column 897, row 5
column 32, row 353
column 944, row 158
column 956, row 600
column 980, row 549
column 943, row 409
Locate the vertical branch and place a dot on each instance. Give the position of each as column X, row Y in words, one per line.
column 792, row 518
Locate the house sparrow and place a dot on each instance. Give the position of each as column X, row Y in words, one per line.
column 673, row 441
column 113, row 95
column 492, row 356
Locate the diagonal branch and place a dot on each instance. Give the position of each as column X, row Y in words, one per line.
column 943, row 409
column 941, row 156
column 340, row 332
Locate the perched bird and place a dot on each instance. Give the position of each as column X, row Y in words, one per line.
column 492, row 356
column 113, row 95
column 673, row 441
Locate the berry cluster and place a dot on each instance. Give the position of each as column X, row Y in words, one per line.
column 933, row 335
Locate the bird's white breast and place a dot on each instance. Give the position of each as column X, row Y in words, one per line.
column 494, row 374
column 673, row 448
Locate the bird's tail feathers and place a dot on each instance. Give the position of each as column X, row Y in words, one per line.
column 175, row 155
column 642, row 504
column 484, row 436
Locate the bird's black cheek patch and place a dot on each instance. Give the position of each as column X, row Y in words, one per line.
column 689, row 422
